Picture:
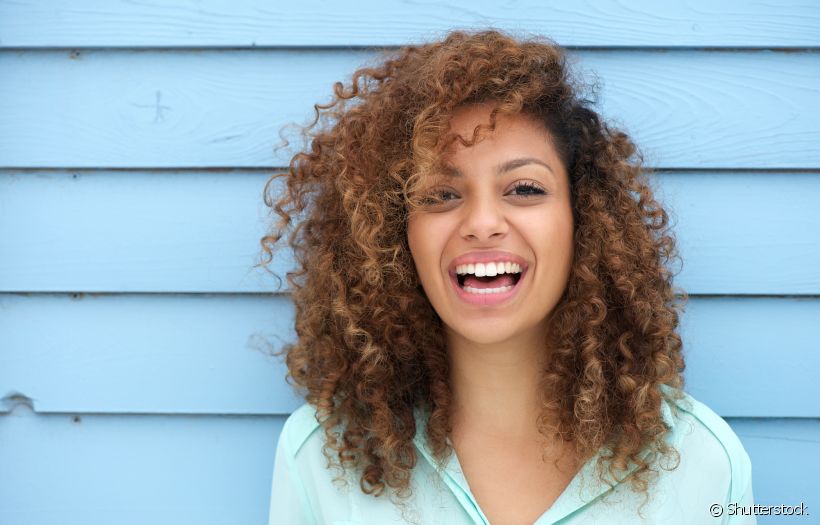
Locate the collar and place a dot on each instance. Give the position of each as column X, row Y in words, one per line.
column 584, row 488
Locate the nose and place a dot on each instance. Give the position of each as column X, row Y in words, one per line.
column 483, row 220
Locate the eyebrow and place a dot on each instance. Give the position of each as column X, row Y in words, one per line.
column 510, row 165
column 504, row 167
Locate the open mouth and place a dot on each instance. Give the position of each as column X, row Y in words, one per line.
column 488, row 279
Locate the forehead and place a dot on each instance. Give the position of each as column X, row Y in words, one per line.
column 465, row 118
column 513, row 131
column 517, row 140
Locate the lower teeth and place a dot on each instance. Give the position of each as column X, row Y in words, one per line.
column 503, row 289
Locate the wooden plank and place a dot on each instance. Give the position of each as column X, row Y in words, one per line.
column 742, row 233
column 184, row 232
column 125, row 469
column 147, row 353
column 210, row 354
column 161, row 109
column 785, row 461
column 102, row 231
column 30, row 23
column 217, row 470
column 748, row 357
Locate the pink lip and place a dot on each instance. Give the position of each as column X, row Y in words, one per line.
column 485, row 257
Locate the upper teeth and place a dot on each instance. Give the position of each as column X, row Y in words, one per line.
column 488, row 269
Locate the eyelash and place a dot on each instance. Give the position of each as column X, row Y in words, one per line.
column 531, row 187
column 533, row 190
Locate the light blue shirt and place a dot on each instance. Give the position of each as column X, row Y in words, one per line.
column 714, row 474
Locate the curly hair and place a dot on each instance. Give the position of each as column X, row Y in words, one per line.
column 371, row 348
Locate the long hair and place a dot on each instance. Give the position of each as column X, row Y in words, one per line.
column 370, row 348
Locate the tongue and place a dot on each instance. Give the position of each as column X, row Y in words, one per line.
column 488, row 282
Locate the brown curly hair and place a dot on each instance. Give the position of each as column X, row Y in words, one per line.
column 370, row 346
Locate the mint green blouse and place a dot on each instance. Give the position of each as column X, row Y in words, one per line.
column 712, row 483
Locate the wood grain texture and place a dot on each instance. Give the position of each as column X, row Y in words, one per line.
column 102, row 231
column 165, row 109
column 159, row 402
column 785, row 461
column 217, row 470
column 125, row 469
column 190, row 23
column 147, row 353
column 213, row 354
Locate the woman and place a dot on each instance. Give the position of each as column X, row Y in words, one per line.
column 486, row 325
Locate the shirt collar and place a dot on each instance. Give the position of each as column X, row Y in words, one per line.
column 451, row 474
column 584, row 488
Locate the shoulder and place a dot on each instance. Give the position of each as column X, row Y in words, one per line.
column 298, row 428
column 302, row 444
column 705, row 438
column 324, row 488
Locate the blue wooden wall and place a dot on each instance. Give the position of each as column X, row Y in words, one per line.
column 135, row 140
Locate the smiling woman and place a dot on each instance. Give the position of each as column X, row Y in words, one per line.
column 506, row 205
column 487, row 331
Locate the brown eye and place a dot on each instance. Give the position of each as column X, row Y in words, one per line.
column 527, row 189
column 446, row 195
column 439, row 197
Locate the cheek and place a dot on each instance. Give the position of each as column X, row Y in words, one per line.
column 418, row 240
column 550, row 233
column 426, row 242
column 563, row 241
column 413, row 238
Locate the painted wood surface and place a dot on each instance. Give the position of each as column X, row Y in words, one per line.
column 205, row 108
column 136, row 381
column 135, row 469
column 198, row 232
column 246, row 23
column 212, row 354
column 785, row 462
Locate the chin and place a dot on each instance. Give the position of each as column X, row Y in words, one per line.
column 486, row 333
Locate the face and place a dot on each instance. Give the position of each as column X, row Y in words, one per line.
column 502, row 205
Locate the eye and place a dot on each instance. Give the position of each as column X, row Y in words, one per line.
column 527, row 189
column 446, row 195
column 439, row 197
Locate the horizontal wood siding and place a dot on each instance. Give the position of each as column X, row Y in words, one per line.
column 137, row 469
column 136, row 371
column 212, row 354
column 247, row 23
column 224, row 108
column 159, row 231
column 134, row 469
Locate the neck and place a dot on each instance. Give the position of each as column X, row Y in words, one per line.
column 495, row 386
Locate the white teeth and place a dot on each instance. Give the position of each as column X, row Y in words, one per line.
column 482, row 291
column 488, row 269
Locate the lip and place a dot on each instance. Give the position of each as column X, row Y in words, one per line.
column 485, row 257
